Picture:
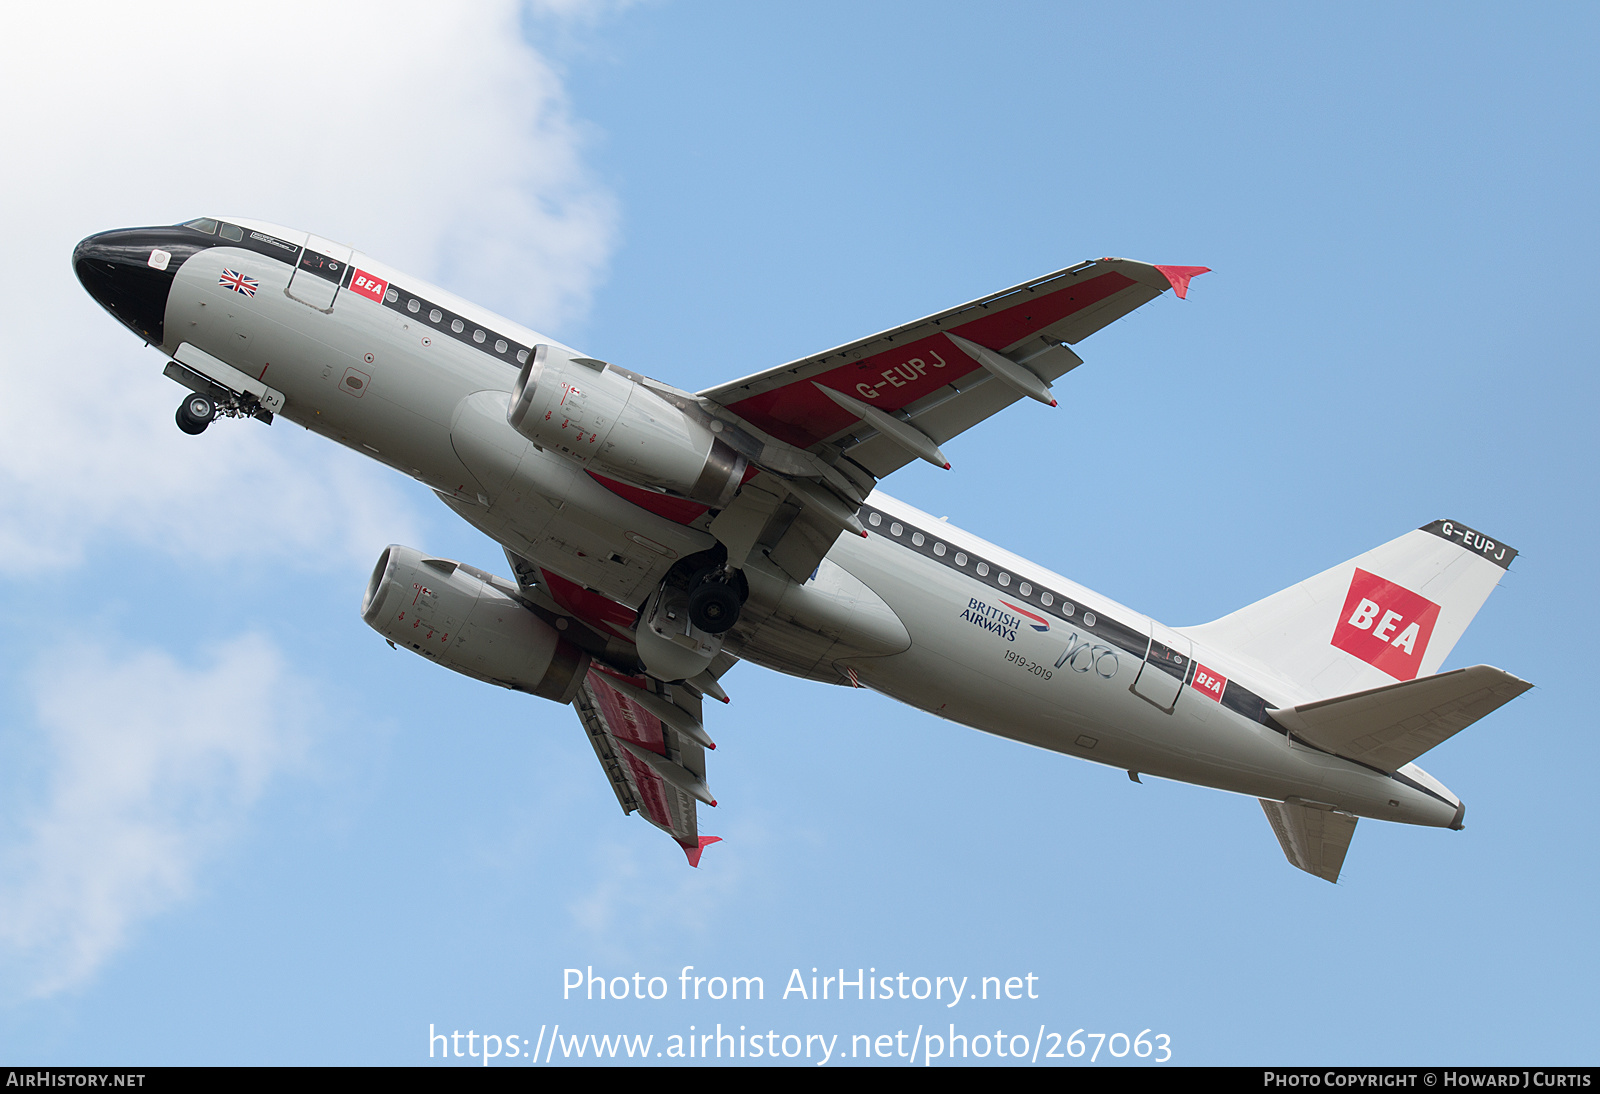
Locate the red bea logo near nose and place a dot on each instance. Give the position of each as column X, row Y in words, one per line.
column 368, row 285
column 1386, row 625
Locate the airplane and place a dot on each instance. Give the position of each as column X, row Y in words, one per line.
column 656, row 536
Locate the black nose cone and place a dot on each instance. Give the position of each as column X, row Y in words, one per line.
column 130, row 272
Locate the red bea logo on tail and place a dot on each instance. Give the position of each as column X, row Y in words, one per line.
column 1386, row 625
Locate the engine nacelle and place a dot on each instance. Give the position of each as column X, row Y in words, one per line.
column 452, row 614
column 602, row 418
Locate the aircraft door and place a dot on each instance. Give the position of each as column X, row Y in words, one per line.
column 322, row 266
column 1166, row 666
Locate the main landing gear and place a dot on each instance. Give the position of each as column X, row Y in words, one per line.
column 196, row 413
column 714, row 600
column 682, row 624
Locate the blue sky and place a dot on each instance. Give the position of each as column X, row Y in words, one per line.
column 235, row 827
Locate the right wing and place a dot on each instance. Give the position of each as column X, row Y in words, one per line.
column 648, row 735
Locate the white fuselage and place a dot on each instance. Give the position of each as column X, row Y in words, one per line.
column 918, row 610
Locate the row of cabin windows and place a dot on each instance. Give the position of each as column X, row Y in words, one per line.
column 435, row 316
column 982, row 568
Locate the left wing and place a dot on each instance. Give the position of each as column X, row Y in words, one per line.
column 825, row 428
column 645, row 742
column 921, row 376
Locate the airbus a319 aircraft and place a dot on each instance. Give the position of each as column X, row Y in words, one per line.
column 655, row 536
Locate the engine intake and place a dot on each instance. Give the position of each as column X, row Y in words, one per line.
column 455, row 615
column 602, row 418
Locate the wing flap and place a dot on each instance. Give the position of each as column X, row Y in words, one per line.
column 1388, row 727
column 632, row 742
column 1314, row 838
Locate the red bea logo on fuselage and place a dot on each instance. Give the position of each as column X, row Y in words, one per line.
column 1386, row 625
column 1208, row 683
column 368, row 285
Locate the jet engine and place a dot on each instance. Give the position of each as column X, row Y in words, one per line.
column 458, row 616
column 606, row 419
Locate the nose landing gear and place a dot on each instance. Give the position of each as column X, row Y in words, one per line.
column 196, row 413
column 211, row 401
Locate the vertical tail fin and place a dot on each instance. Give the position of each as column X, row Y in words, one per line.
column 1391, row 614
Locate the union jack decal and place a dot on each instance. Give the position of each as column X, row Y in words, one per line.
column 238, row 282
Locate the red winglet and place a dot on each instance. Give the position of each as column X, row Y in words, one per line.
column 694, row 852
column 1178, row 277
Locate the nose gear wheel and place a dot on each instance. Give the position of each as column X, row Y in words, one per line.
column 196, row 413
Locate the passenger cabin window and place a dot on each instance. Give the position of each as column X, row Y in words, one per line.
column 232, row 232
column 202, row 224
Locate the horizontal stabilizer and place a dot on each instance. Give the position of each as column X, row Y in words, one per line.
column 1314, row 837
column 1390, row 726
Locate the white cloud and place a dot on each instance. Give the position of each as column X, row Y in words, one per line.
column 432, row 136
column 152, row 766
column 647, row 879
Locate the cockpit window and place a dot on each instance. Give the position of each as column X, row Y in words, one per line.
column 232, row 232
column 202, row 224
